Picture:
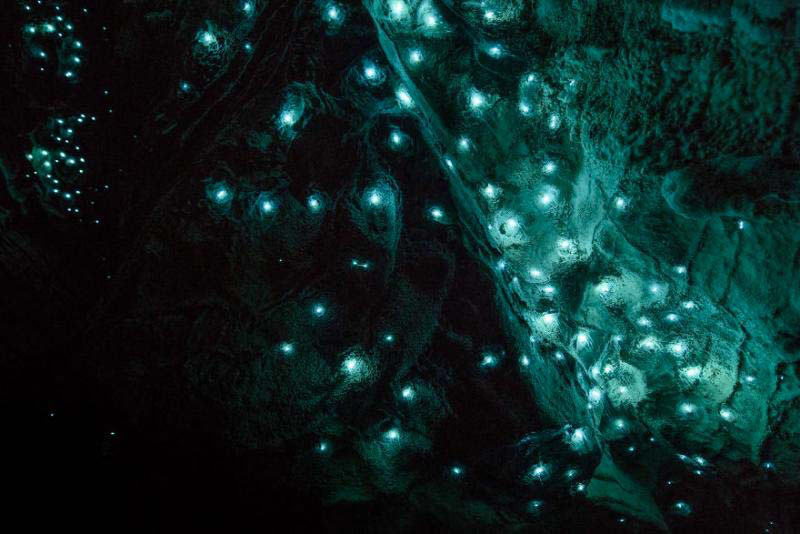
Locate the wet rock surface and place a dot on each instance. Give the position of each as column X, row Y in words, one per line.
column 404, row 266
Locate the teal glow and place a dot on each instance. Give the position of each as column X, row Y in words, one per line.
column 477, row 100
column 488, row 360
column 353, row 365
column 372, row 74
column 404, row 97
column 288, row 118
column 359, row 264
column 494, row 51
column 431, row 20
column 538, row 473
column 266, row 206
column 333, row 14
column 396, row 139
column 535, row 506
column 681, row 508
column 314, row 203
column 374, row 198
column 398, row 9
column 207, row 38
column 220, row 193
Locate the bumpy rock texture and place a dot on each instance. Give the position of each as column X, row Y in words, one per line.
column 410, row 265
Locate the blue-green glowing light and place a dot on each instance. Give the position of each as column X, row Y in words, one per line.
column 488, row 360
column 267, row 206
column 359, row 264
column 353, row 366
column 431, row 20
column 404, row 97
column 477, row 100
column 494, row 51
column 333, row 14
column 681, row 508
column 220, row 193
column 372, row 73
column 396, row 139
column 314, row 203
column 398, row 9
column 288, row 117
column 207, row 38
column 538, row 473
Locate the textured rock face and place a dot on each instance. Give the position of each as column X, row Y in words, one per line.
column 638, row 171
column 450, row 265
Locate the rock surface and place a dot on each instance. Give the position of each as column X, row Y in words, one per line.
column 410, row 265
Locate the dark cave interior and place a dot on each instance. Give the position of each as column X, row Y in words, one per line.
column 401, row 265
